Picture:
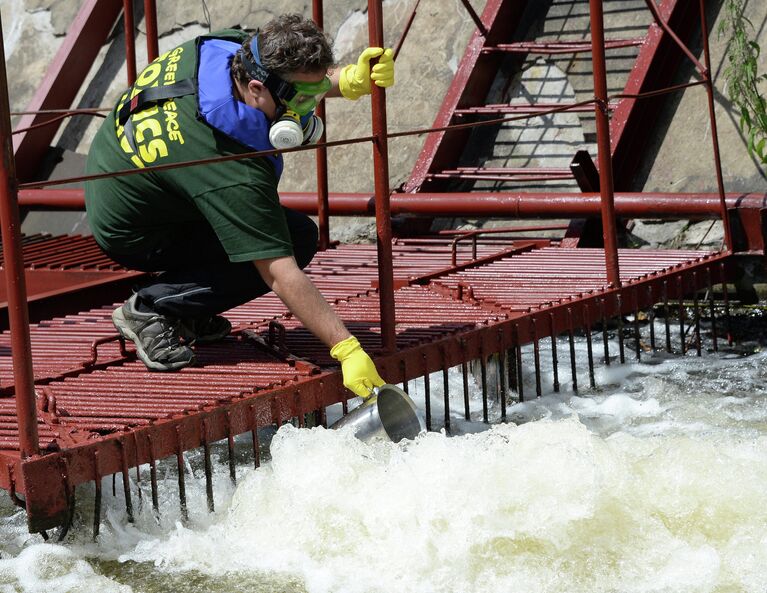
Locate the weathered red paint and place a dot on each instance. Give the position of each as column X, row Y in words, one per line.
column 693, row 205
column 321, row 155
column 468, row 88
column 607, row 203
column 150, row 21
column 62, row 81
column 707, row 74
column 13, row 265
column 381, row 178
column 244, row 382
column 632, row 121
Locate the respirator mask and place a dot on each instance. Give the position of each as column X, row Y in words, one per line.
column 288, row 131
column 295, row 101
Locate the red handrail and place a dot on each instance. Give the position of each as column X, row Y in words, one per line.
column 18, row 314
column 381, row 172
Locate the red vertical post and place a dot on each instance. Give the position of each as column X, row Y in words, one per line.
column 603, row 143
column 150, row 19
column 18, row 315
column 323, row 206
column 714, row 133
column 130, row 40
column 381, row 172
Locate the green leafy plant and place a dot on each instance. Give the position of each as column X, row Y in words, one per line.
column 742, row 78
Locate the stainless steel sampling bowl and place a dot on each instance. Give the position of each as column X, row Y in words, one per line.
column 388, row 414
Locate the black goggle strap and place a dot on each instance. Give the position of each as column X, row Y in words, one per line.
column 281, row 90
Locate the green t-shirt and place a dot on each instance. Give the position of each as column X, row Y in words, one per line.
column 134, row 213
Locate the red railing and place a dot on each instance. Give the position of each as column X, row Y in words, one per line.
column 379, row 139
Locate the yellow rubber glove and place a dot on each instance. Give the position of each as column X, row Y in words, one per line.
column 354, row 80
column 359, row 371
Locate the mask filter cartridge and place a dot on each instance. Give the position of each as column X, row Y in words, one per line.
column 313, row 130
column 286, row 132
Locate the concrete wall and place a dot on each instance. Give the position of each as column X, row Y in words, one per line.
column 425, row 67
column 679, row 160
column 682, row 154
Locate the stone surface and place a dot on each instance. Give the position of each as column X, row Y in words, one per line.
column 681, row 158
column 655, row 233
column 30, row 43
column 679, row 161
column 421, row 79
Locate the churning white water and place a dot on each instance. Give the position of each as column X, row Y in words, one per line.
column 655, row 482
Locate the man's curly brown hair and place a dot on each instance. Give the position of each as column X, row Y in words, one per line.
column 288, row 43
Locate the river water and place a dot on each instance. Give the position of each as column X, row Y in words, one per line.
column 654, row 482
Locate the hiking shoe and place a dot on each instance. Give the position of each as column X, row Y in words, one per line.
column 204, row 330
column 156, row 337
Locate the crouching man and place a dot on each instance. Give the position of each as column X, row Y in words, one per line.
column 217, row 232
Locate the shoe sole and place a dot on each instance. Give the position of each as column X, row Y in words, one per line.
column 122, row 327
column 208, row 339
column 212, row 338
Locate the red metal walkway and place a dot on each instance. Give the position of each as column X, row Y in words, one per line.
column 102, row 412
column 64, row 273
column 448, row 302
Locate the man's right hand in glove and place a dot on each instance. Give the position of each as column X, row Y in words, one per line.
column 294, row 288
column 359, row 371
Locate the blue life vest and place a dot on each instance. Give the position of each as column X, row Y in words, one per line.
column 218, row 106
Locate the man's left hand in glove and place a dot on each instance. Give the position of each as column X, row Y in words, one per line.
column 354, row 79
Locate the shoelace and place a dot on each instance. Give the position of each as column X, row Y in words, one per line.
column 170, row 334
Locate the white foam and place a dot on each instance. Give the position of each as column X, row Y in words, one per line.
column 44, row 568
column 547, row 506
column 653, row 482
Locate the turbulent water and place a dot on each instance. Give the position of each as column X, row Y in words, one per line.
column 655, row 482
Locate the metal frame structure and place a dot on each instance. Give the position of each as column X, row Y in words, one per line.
column 419, row 306
column 621, row 137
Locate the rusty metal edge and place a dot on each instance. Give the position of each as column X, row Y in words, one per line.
column 44, row 483
column 66, row 73
column 469, row 84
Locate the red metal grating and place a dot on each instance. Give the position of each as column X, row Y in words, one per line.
column 64, row 346
column 127, row 395
column 423, row 316
column 70, row 345
column 101, row 411
column 553, row 275
column 66, row 273
column 351, row 270
column 64, row 252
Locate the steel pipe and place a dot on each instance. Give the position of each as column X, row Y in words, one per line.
column 382, row 205
column 662, row 205
column 533, row 205
column 150, row 21
column 609, row 232
column 712, row 119
column 13, row 262
column 130, row 41
column 321, row 155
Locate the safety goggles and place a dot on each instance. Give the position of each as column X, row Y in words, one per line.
column 308, row 94
column 300, row 97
